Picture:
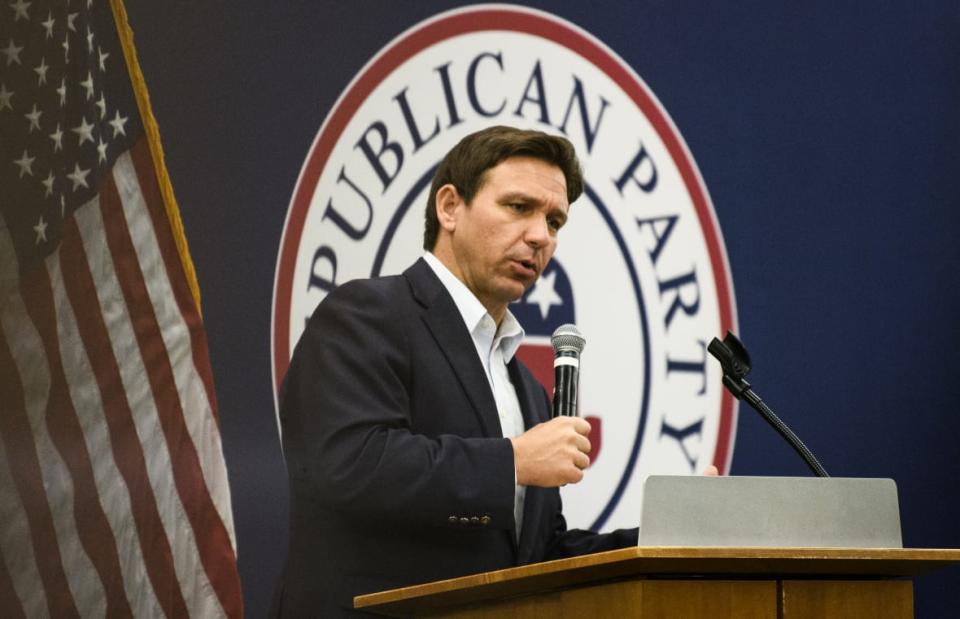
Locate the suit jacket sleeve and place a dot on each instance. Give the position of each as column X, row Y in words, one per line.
column 348, row 431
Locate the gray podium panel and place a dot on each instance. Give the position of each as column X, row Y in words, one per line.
column 809, row 512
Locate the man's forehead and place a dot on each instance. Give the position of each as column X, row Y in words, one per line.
column 543, row 172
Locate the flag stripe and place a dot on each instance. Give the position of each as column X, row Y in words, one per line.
column 128, row 453
column 118, row 499
column 9, row 601
column 150, row 190
column 62, row 424
column 16, row 552
column 194, row 380
column 135, row 385
column 83, row 581
column 108, row 449
column 188, row 476
column 24, row 465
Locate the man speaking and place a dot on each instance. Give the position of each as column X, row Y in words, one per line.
column 418, row 447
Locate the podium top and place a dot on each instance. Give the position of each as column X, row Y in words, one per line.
column 649, row 561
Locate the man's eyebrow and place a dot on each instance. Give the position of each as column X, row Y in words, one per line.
column 517, row 196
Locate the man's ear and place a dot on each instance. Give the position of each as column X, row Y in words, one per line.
column 448, row 201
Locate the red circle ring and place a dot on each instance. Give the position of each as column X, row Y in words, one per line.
column 514, row 19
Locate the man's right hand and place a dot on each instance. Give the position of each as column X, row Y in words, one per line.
column 553, row 453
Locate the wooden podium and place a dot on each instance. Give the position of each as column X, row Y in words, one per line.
column 781, row 583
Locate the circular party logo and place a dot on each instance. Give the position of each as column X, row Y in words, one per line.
column 640, row 267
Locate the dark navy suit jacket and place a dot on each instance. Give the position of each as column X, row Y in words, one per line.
column 398, row 470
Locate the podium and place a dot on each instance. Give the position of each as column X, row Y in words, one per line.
column 714, row 582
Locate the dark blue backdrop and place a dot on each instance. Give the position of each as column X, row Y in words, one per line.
column 828, row 136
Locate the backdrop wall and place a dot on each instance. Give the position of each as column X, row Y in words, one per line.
column 828, row 137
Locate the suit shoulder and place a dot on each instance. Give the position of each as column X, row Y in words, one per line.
column 369, row 295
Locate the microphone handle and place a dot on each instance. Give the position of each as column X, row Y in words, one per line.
column 565, row 378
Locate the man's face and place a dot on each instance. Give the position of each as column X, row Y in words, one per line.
column 504, row 239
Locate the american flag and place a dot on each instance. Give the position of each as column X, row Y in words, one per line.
column 113, row 489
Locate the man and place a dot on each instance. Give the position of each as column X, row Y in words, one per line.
column 418, row 448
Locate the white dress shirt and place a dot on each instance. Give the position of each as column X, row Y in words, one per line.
column 496, row 348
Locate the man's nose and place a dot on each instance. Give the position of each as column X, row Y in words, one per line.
column 537, row 232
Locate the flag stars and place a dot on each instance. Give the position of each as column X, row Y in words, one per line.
column 48, row 183
column 5, row 96
column 41, row 230
column 41, row 71
column 12, row 52
column 84, row 130
column 62, row 91
column 88, row 85
column 101, row 150
column 57, row 138
column 48, row 25
column 103, row 57
column 20, row 10
column 72, row 17
column 78, row 176
column 25, row 163
column 102, row 104
column 34, row 117
column 66, row 47
column 89, row 40
column 117, row 123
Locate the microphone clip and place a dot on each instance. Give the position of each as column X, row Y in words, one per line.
column 735, row 361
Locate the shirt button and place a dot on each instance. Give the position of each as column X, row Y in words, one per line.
column 452, row 520
column 475, row 521
column 464, row 520
column 485, row 520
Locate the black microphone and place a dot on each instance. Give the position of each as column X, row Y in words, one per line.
column 735, row 362
column 567, row 345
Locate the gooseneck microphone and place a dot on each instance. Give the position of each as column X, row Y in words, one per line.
column 735, row 361
column 567, row 345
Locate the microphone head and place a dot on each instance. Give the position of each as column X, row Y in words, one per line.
column 567, row 339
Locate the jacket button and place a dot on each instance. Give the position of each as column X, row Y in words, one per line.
column 485, row 520
column 474, row 520
column 464, row 520
column 452, row 520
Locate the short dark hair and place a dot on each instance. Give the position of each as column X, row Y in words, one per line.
column 466, row 164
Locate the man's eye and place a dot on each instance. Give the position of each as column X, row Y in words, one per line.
column 516, row 206
column 555, row 224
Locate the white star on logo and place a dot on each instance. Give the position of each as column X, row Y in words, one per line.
column 544, row 294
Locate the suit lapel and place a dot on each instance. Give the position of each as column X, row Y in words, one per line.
column 529, row 393
column 444, row 321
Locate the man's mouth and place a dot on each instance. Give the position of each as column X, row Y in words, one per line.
column 529, row 268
